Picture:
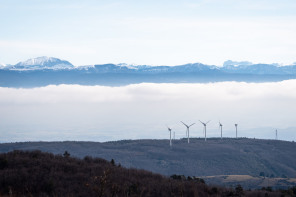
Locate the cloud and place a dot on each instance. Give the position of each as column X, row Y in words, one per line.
column 141, row 110
column 222, row 91
column 212, row 94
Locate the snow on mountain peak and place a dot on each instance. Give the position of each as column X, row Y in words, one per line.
column 43, row 63
column 39, row 61
column 130, row 66
column 236, row 63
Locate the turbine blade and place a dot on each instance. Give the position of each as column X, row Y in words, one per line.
column 208, row 122
column 184, row 124
column 191, row 124
column 201, row 122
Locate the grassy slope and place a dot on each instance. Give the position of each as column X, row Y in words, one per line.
column 251, row 182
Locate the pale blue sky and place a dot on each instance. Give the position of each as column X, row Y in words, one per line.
column 149, row 32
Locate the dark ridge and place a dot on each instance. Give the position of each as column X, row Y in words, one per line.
column 34, row 173
column 215, row 157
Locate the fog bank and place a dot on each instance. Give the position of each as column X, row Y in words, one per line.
column 100, row 113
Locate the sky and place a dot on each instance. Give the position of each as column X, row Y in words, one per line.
column 152, row 32
column 137, row 111
column 155, row 33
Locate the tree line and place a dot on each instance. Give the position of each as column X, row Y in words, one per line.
column 35, row 173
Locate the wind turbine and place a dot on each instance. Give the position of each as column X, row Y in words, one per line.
column 187, row 130
column 220, row 125
column 276, row 137
column 170, row 130
column 205, row 128
column 235, row 130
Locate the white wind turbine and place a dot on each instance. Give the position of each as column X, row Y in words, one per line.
column 235, row 130
column 187, row 130
column 170, row 130
column 220, row 125
column 205, row 128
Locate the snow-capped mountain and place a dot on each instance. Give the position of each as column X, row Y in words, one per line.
column 2, row 65
column 44, row 71
column 42, row 63
column 130, row 66
column 258, row 69
column 230, row 67
column 236, row 63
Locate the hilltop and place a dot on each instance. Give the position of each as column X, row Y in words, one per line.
column 199, row 158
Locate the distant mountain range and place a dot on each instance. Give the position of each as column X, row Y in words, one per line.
column 244, row 67
column 48, row 70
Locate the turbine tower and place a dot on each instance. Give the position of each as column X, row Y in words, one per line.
column 170, row 130
column 235, row 130
column 220, row 125
column 187, row 130
column 276, row 136
column 205, row 128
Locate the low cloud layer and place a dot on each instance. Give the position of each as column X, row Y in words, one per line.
column 100, row 113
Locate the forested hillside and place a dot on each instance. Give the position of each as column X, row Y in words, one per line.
column 45, row 174
column 199, row 158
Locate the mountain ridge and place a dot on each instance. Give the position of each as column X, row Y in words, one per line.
column 229, row 66
column 43, row 62
column 45, row 71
